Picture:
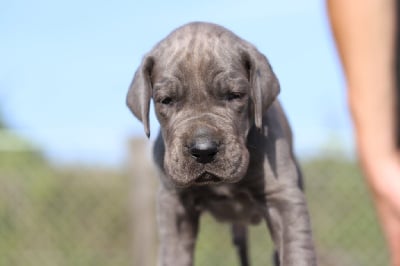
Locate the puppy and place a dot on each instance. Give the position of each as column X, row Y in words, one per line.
column 224, row 146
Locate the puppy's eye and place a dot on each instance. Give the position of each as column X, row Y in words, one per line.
column 232, row 96
column 166, row 101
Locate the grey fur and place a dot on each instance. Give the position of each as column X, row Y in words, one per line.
column 214, row 93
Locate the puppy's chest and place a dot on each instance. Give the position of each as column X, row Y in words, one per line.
column 229, row 204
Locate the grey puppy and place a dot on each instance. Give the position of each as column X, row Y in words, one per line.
column 225, row 145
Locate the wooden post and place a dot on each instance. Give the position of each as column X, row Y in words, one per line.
column 143, row 198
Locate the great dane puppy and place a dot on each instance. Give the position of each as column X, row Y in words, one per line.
column 225, row 145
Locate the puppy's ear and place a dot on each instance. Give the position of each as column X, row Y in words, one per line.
column 264, row 84
column 140, row 91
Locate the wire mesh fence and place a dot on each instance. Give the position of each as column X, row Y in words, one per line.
column 52, row 215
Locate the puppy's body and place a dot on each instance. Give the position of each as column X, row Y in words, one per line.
column 225, row 145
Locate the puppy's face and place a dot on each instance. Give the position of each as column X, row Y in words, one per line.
column 208, row 92
column 203, row 105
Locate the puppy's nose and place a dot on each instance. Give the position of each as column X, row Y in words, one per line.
column 203, row 149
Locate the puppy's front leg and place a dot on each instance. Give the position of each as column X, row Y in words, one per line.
column 290, row 226
column 287, row 213
column 178, row 227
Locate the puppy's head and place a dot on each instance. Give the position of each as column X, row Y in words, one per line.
column 209, row 88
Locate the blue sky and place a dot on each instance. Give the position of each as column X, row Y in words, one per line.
column 65, row 67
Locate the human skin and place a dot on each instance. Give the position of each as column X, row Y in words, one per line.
column 364, row 32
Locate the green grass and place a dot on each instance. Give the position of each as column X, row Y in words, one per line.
column 345, row 225
column 77, row 216
column 51, row 216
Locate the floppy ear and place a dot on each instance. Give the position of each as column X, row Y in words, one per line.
column 140, row 91
column 264, row 84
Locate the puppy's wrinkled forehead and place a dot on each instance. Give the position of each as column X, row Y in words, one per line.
column 197, row 52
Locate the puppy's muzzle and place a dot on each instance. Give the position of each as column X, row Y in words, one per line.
column 204, row 147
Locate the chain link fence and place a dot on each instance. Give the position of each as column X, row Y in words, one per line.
column 79, row 216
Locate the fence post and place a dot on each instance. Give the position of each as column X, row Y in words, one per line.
column 143, row 196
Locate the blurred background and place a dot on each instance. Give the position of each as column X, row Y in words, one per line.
column 77, row 186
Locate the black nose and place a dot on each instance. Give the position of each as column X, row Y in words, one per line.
column 203, row 149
